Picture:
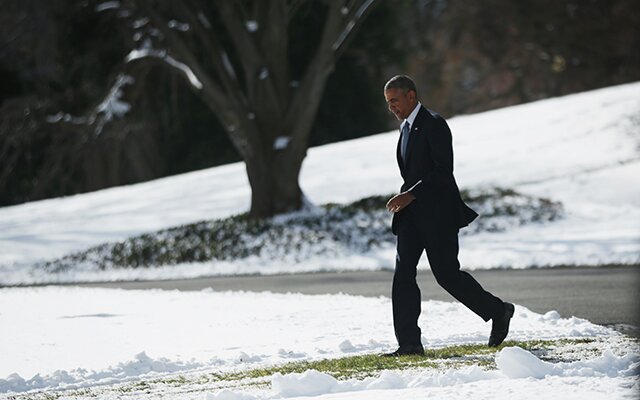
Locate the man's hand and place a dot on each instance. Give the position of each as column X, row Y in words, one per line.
column 400, row 201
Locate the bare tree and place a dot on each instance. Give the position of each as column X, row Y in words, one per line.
column 236, row 56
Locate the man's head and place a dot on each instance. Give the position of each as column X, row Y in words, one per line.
column 401, row 95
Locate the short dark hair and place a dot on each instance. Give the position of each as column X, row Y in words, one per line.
column 403, row 82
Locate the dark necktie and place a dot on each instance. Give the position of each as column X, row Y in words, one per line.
column 404, row 140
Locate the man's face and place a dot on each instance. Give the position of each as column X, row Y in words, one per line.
column 400, row 103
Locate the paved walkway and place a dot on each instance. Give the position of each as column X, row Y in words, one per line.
column 606, row 295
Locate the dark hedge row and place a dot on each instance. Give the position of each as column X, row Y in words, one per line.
column 331, row 229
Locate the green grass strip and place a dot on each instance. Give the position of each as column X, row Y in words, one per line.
column 371, row 364
column 358, row 367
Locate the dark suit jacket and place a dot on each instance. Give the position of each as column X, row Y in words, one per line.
column 428, row 174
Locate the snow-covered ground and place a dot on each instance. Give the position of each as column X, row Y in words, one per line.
column 582, row 150
column 64, row 338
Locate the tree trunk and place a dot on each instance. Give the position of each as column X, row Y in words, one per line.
column 275, row 188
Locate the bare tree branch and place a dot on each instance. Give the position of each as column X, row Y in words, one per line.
column 257, row 70
column 177, row 46
column 319, row 67
column 358, row 11
column 232, row 118
column 244, row 44
column 225, row 71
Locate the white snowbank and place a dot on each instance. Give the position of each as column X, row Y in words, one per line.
column 66, row 337
column 313, row 383
column 513, row 363
column 141, row 365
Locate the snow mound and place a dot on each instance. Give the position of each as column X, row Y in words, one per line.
column 308, row 383
column 226, row 394
column 142, row 365
column 515, row 362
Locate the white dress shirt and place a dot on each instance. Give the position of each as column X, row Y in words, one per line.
column 409, row 120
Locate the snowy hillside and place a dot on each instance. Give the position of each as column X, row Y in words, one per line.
column 582, row 150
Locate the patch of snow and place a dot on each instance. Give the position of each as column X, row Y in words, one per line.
column 226, row 394
column 141, row 365
column 515, row 362
column 107, row 5
column 281, row 142
column 346, row 346
column 193, row 79
column 181, row 26
column 147, row 51
column 252, row 26
column 60, row 116
column 308, row 383
column 112, row 105
column 263, row 74
column 140, row 22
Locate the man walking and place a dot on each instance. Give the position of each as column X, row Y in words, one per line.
column 428, row 213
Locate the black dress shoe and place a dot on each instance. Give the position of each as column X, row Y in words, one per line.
column 413, row 350
column 500, row 326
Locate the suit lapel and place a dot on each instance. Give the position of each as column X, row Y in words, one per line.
column 399, row 155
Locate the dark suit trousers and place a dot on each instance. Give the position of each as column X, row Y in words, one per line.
column 442, row 252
